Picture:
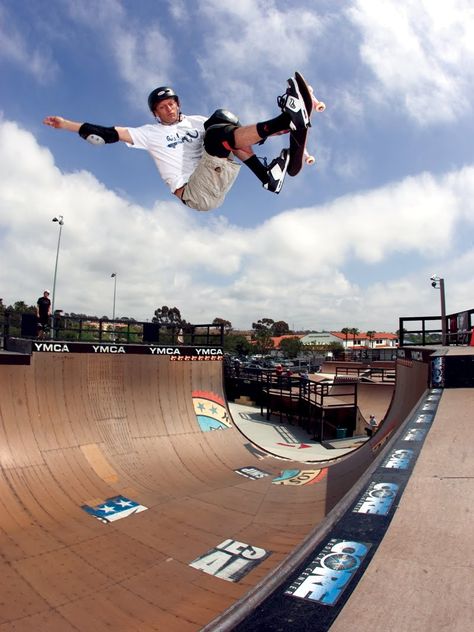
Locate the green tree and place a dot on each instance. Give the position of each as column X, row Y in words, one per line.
column 168, row 316
column 346, row 331
column 236, row 344
column 263, row 340
column 262, row 335
column 291, row 347
column 265, row 324
column 280, row 328
column 226, row 323
column 371, row 336
column 354, row 331
column 20, row 307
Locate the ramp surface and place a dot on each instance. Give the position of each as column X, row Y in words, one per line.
column 426, row 564
column 83, row 434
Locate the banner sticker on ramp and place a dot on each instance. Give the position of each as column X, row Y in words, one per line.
column 114, row 508
column 211, row 411
column 377, row 499
column 437, row 372
column 415, row 434
column 399, row 460
column 251, row 472
column 230, row 560
column 327, row 576
column 424, row 418
column 300, row 477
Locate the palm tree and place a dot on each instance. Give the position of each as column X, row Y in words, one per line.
column 371, row 335
column 354, row 331
column 346, row 331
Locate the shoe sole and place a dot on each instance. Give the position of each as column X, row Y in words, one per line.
column 284, row 171
column 302, row 106
column 282, row 179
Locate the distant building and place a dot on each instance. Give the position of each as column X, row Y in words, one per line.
column 323, row 338
column 380, row 340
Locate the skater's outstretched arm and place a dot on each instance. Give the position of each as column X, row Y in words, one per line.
column 96, row 134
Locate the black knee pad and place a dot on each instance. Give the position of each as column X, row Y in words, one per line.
column 222, row 116
column 219, row 140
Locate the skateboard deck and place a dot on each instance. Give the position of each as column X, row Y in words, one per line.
column 298, row 138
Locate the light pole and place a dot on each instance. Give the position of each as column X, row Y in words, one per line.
column 60, row 220
column 438, row 283
column 114, row 277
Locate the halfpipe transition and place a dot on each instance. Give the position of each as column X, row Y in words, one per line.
column 121, row 509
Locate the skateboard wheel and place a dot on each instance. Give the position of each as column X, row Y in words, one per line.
column 310, row 160
column 320, row 106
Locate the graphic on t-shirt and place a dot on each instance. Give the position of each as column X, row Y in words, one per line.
column 177, row 139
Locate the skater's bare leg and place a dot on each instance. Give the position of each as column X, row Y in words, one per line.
column 252, row 134
column 246, row 136
column 243, row 153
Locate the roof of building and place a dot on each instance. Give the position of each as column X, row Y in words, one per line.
column 363, row 335
column 277, row 339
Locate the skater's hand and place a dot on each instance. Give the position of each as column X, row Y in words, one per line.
column 59, row 122
column 55, row 121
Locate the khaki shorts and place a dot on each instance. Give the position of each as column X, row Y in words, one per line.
column 210, row 183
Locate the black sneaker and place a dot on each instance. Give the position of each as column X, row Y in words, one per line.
column 276, row 171
column 292, row 103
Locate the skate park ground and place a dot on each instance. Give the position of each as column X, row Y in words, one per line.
column 79, row 429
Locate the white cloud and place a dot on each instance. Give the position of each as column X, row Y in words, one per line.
column 30, row 57
column 295, row 267
column 143, row 54
column 421, row 53
column 250, row 46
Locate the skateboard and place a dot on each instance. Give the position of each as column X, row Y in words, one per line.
column 298, row 152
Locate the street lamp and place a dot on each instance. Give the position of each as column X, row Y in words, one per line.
column 114, row 277
column 60, row 220
column 438, row 283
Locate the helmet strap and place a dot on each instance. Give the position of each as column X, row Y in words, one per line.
column 158, row 120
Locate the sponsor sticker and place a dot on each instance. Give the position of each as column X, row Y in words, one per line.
column 399, row 460
column 230, row 560
column 300, row 477
column 251, row 472
column 211, row 411
column 327, row 576
column 114, row 508
column 377, row 499
column 424, row 418
column 415, row 434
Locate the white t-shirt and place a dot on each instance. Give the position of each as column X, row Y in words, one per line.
column 176, row 149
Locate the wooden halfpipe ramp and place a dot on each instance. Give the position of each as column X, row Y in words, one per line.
column 130, row 501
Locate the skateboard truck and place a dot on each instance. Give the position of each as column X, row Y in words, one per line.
column 309, row 160
column 318, row 106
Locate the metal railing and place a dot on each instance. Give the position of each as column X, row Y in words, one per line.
column 379, row 374
column 429, row 329
column 84, row 329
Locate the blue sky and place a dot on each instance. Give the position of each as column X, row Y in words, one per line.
column 350, row 242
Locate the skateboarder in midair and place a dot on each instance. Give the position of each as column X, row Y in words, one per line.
column 194, row 154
